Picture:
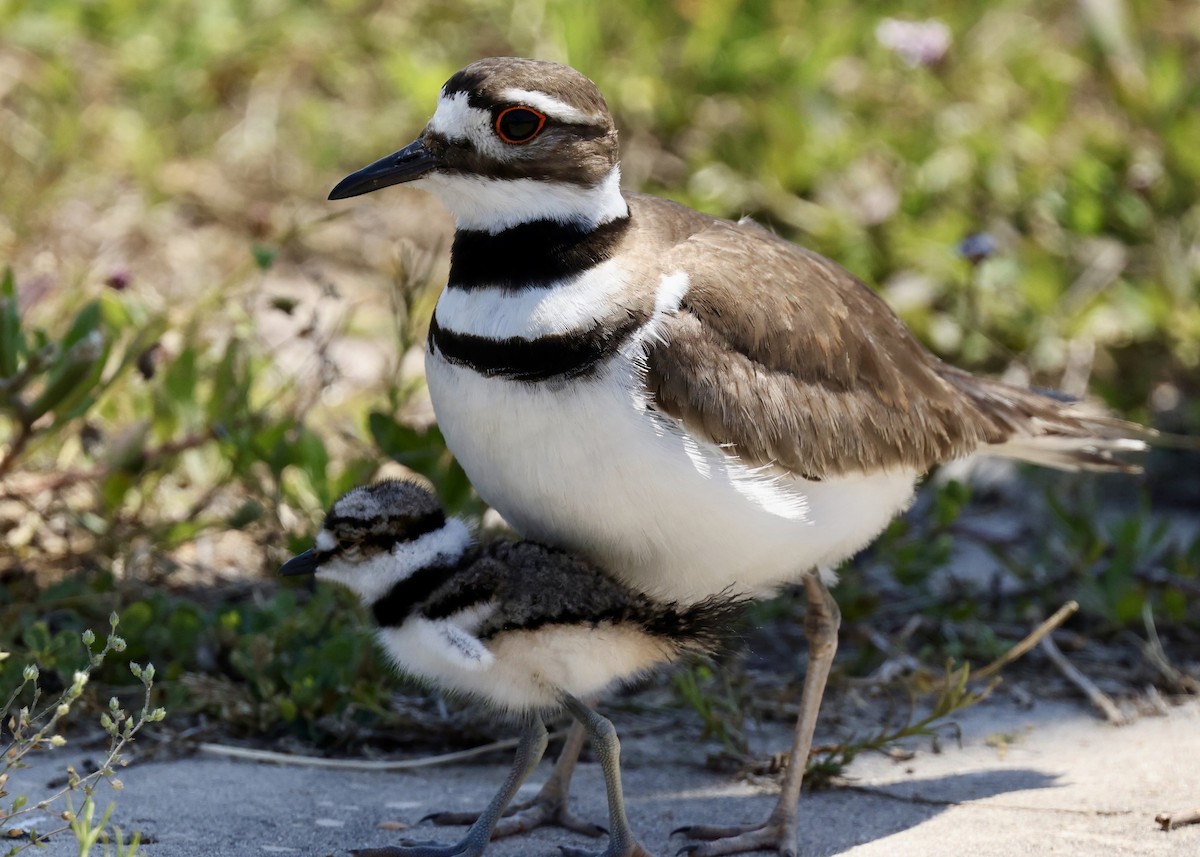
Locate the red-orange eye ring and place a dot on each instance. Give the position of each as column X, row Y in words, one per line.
column 519, row 124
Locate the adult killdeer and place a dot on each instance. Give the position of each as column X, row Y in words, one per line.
column 693, row 403
column 527, row 628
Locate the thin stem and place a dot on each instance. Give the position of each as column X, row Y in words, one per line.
column 1032, row 639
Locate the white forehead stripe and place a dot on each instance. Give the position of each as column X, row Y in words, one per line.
column 456, row 119
column 550, row 105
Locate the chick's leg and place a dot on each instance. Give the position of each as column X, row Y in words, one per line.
column 548, row 807
column 530, row 749
column 603, row 735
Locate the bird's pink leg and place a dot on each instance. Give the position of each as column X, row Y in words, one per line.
column 778, row 833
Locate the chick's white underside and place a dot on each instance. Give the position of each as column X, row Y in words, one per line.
column 526, row 669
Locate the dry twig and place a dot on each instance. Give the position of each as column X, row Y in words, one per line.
column 252, row 755
column 1038, row 634
column 1172, row 820
column 1094, row 694
column 1152, row 649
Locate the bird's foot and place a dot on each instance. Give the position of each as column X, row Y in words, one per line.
column 408, row 848
column 524, row 817
column 614, row 849
column 772, row 835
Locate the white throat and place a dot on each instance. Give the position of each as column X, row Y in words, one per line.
column 493, row 205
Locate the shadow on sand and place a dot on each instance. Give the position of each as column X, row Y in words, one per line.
column 832, row 822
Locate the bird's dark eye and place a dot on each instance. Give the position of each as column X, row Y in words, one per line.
column 519, row 124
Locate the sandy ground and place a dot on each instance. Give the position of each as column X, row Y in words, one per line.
column 1051, row 779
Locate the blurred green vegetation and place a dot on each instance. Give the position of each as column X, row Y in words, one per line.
column 198, row 353
column 1067, row 128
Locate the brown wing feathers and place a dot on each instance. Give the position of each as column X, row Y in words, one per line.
column 820, row 377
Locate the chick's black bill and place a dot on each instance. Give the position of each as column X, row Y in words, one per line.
column 305, row 563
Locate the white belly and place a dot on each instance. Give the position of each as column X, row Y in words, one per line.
column 587, row 466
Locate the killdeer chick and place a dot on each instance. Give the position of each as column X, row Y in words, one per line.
column 691, row 402
column 526, row 628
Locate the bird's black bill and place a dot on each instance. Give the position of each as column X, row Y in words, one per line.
column 411, row 162
column 305, row 563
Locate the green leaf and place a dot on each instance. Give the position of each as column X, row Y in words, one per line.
column 230, row 384
column 419, row 450
column 264, row 255
column 11, row 341
column 136, row 619
column 114, row 487
column 287, row 708
column 86, row 320
column 245, row 515
column 80, row 399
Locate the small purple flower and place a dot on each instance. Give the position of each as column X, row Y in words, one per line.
column 917, row 43
column 118, row 279
column 976, row 247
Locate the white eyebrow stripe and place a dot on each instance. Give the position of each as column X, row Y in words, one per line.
column 551, row 106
